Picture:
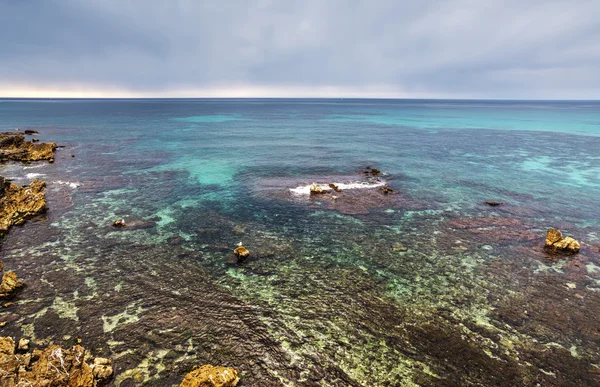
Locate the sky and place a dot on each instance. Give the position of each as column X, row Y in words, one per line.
column 523, row 49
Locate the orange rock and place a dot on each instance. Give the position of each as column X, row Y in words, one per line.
column 211, row 376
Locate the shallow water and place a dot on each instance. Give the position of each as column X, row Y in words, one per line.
column 424, row 286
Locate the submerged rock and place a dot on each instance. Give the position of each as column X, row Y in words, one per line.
column 241, row 253
column 493, row 203
column 119, row 223
column 17, row 203
column 30, row 132
column 14, row 147
column 211, row 376
column 334, row 187
column 52, row 366
column 386, row 190
column 556, row 242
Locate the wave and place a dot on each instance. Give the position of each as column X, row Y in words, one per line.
column 34, row 175
column 305, row 189
column 69, row 183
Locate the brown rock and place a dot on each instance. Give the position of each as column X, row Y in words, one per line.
column 102, row 369
column 17, row 203
column 493, row 203
column 557, row 243
column 14, row 147
column 10, row 284
column 334, row 187
column 316, row 189
column 119, row 223
column 211, row 376
column 241, row 253
column 23, row 344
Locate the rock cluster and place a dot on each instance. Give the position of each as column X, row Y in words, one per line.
column 10, row 284
column 14, row 147
column 316, row 189
column 17, row 203
column 556, row 242
column 211, row 376
column 52, row 366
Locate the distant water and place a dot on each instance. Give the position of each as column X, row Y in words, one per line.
column 426, row 286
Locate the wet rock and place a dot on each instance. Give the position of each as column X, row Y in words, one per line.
column 52, row 366
column 556, row 242
column 334, row 187
column 316, row 189
column 14, row 147
column 386, row 190
column 30, row 132
column 493, row 203
column 10, row 285
column 119, row 223
column 175, row 240
column 35, row 140
column 241, row 253
column 211, row 376
column 17, row 203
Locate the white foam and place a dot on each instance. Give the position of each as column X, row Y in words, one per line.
column 69, row 183
column 305, row 189
column 34, row 175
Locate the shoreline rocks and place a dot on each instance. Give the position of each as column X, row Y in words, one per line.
column 211, row 376
column 557, row 243
column 10, row 284
column 14, row 147
column 17, row 203
column 52, row 366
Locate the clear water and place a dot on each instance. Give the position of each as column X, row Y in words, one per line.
column 428, row 286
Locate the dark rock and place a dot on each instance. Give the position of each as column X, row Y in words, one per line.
column 334, row 187
column 35, row 140
column 386, row 190
column 30, row 132
column 119, row 223
column 175, row 240
column 241, row 253
column 493, row 203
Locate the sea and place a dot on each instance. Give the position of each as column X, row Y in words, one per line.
column 421, row 285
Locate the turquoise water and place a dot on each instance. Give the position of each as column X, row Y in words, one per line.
column 427, row 286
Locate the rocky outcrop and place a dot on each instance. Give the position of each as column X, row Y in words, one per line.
column 52, row 366
column 557, row 243
column 10, row 284
column 316, row 189
column 14, row 147
column 211, row 376
column 17, row 203
column 241, row 253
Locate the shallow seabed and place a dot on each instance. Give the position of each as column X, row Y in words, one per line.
column 425, row 286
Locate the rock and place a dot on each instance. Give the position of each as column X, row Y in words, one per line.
column 10, row 284
column 23, row 344
column 53, row 366
column 556, row 242
column 35, row 140
column 386, row 190
column 30, row 132
column 241, row 253
column 211, row 376
column 175, row 240
column 493, row 203
column 316, row 189
column 334, row 187
column 14, row 147
column 399, row 247
column 119, row 223
column 17, row 203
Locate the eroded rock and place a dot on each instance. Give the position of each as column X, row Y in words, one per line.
column 316, row 189
column 52, row 366
column 211, row 376
column 241, row 253
column 17, row 203
column 10, row 284
column 14, row 147
column 556, row 242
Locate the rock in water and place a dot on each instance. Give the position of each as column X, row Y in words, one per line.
column 14, row 147
column 241, row 253
column 316, row 189
column 119, row 223
column 493, row 203
column 211, row 376
column 10, row 284
column 17, row 203
column 556, row 242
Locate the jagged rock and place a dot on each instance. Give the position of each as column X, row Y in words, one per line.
column 53, row 366
column 241, row 253
column 493, row 203
column 211, row 376
column 386, row 190
column 556, row 242
column 14, row 147
column 17, row 203
column 10, row 284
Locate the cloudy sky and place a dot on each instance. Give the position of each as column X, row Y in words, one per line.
column 304, row 48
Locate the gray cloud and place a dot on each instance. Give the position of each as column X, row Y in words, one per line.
column 460, row 48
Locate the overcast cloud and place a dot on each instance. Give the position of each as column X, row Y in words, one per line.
column 454, row 48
